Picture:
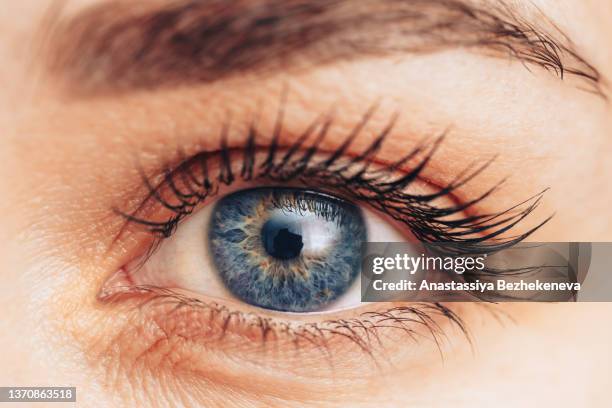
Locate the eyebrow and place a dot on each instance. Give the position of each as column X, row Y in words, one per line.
column 118, row 46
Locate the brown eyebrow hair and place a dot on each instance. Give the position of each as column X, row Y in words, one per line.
column 121, row 46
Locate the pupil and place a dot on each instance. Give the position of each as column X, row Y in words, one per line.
column 279, row 241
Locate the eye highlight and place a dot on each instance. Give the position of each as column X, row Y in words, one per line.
column 286, row 249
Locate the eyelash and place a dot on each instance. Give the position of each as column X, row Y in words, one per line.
column 365, row 331
column 381, row 189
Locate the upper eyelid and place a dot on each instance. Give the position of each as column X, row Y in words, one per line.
column 265, row 166
column 495, row 224
column 223, row 151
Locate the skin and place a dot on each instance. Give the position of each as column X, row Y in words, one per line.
column 66, row 162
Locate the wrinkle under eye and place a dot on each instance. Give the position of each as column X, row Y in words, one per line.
column 286, row 249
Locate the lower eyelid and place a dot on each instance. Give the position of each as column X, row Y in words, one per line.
column 174, row 331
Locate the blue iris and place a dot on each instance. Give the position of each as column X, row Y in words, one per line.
column 286, row 249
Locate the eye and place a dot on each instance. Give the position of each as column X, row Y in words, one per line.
column 288, row 249
column 263, row 241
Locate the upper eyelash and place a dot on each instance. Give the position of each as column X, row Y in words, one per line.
column 381, row 188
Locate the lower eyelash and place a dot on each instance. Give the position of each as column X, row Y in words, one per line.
column 199, row 321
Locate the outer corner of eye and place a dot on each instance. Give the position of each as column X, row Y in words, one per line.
column 286, row 249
